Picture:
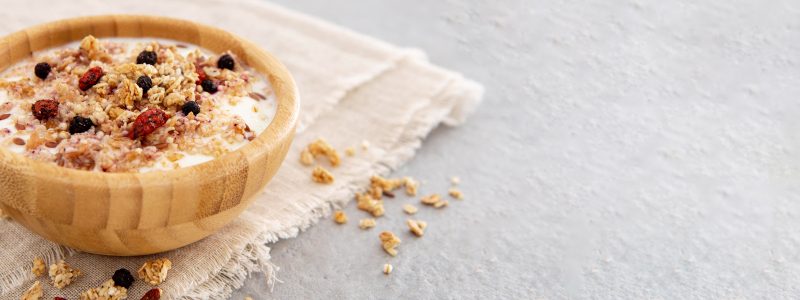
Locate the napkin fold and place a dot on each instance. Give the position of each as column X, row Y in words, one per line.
column 353, row 88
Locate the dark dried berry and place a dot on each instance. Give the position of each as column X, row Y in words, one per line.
column 123, row 278
column 90, row 78
column 154, row 294
column 42, row 69
column 190, row 107
column 80, row 124
column 145, row 83
column 59, row 298
column 147, row 57
column 209, row 86
column 147, row 122
column 226, row 62
column 45, row 109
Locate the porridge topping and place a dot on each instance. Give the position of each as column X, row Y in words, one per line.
column 226, row 62
column 42, row 69
column 131, row 105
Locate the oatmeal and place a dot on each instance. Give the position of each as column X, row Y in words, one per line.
column 131, row 105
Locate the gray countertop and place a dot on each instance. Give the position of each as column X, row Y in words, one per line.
column 625, row 149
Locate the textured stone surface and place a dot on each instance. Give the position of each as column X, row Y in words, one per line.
column 625, row 149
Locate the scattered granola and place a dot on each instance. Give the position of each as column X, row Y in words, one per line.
column 366, row 223
column 455, row 180
column 410, row 209
column 411, row 186
column 366, row 203
column 386, row 184
column 248, row 298
column 107, row 291
column 34, row 292
column 456, row 193
column 431, row 199
column 389, row 242
column 364, row 145
column 441, row 204
column 339, row 217
column 380, row 186
column 387, row 268
column 62, row 274
column 320, row 175
column 38, row 268
column 317, row 148
column 306, row 158
column 417, row 227
column 155, row 271
column 350, row 151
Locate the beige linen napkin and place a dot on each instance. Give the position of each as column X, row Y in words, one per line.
column 353, row 88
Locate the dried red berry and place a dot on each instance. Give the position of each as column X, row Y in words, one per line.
column 154, row 294
column 90, row 78
column 59, row 298
column 147, row 122
column 201, row 74
column 45, row 109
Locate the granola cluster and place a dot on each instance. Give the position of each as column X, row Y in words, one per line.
column 366, row 223
column 107, row 291
column 417, row 227
column 389, row 242
column 84, row 107
column 339, row 217
column 434, row 200
column 371, row 200
column 321, row 175
column 154, row 272
column 38, row 268
column 318, row 148
column 62, row 274
column 34, row 292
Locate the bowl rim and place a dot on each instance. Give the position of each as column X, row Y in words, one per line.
column 282, row 124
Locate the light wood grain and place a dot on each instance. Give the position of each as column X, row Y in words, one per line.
column 127, row 214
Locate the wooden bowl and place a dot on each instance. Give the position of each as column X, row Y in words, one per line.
column 128, row 214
